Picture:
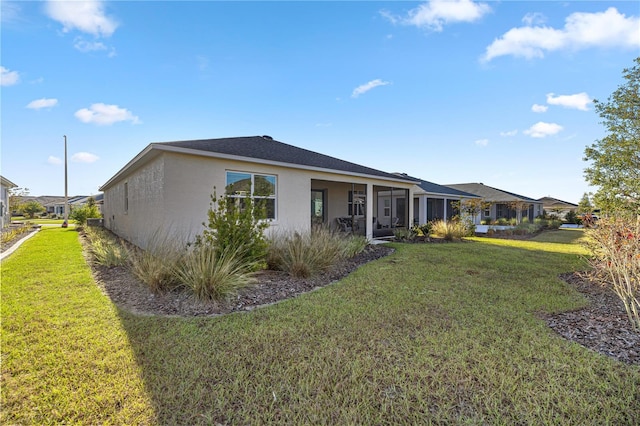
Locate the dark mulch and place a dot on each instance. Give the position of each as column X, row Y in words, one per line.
column 129, row 293
column 603, row 326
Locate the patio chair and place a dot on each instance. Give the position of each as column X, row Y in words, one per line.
column 344, row 224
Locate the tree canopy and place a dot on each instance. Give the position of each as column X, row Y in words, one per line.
column 615, row 159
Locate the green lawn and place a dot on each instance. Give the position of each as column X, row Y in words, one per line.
column 435, row 333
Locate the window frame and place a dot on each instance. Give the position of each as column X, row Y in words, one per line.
column 252, row 195
column 361, row 207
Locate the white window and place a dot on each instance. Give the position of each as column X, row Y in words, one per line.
column 387, row 208
column 258, row 187
column 357, row 202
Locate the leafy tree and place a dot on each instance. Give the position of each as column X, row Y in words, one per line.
column 87, row 211
column 615, row 159
column 584, row 205
column 16, row 198
column 471, row 207
column 31, row 208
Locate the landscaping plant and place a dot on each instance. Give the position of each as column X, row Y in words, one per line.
column 305, row 254
column 214, row 275
column 105, row 248
column 615, row 249
column 451, row 230
column 156, row 264
column 236, row 226
column 87, row 211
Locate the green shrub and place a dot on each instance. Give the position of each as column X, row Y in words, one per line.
column 214, row 275
column 403, row 234
column 353, row 245
column 237, row 228
column 502, row 221
column 423, row 230
column 304, row 255
column 155, row 265
column 81, row 214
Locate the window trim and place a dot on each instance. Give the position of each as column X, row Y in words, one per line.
column 252, row 196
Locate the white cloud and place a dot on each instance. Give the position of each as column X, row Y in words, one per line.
column 581, row 31
column 482, row 142
column 364, row 88
column 539, row 108
column 10, row 11
column 534, row 18
column 434, row 14
column 88, row 46
column 87, row 16
column 8, row 78
column 54, row 160
column 42, row 103
column 578, row 101
column 84, row 157
column 103, row 114
column 542, row 129
column 509, row 133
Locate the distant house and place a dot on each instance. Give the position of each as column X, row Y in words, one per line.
column 436, row 202
column 5, row 213
column 502, row 204
column 168, row 186
column 556, row 207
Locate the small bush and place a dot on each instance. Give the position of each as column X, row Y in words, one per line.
column 450, row 230
column 155, row 266
column 304, row 255
column 237, row 228
column 353, row 245
column 615, row 257
column 212, row 275
column 403, row 234
column 105, row 249
column 81, row 214
column 423, row 230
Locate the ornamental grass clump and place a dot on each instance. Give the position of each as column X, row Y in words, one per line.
column 105, row 249
column 307, row 254
column 155, row 265
column 211, row 275
column 451, row 230
column 615, row 258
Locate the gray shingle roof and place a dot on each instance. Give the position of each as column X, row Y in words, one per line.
column 490, row 194
column 268, row 149
column 435, row 188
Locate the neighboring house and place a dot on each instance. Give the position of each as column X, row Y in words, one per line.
column 502, row 204
column 435, row 202
column 168, row 186
column 5, row 213
column 556, row 207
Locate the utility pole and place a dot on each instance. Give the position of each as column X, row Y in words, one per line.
column 66, row 194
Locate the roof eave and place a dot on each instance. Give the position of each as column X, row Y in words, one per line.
column 210, row 154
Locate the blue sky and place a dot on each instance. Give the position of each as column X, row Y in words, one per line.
column 448, row 91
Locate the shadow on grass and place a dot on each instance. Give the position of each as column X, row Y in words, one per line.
column 441, row 333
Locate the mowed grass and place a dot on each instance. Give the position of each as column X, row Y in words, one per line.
column 66, row 357
column 435, row 333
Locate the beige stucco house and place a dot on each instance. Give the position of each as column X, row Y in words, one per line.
column 5, row 213
column 167, row 188
column 502, row 204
